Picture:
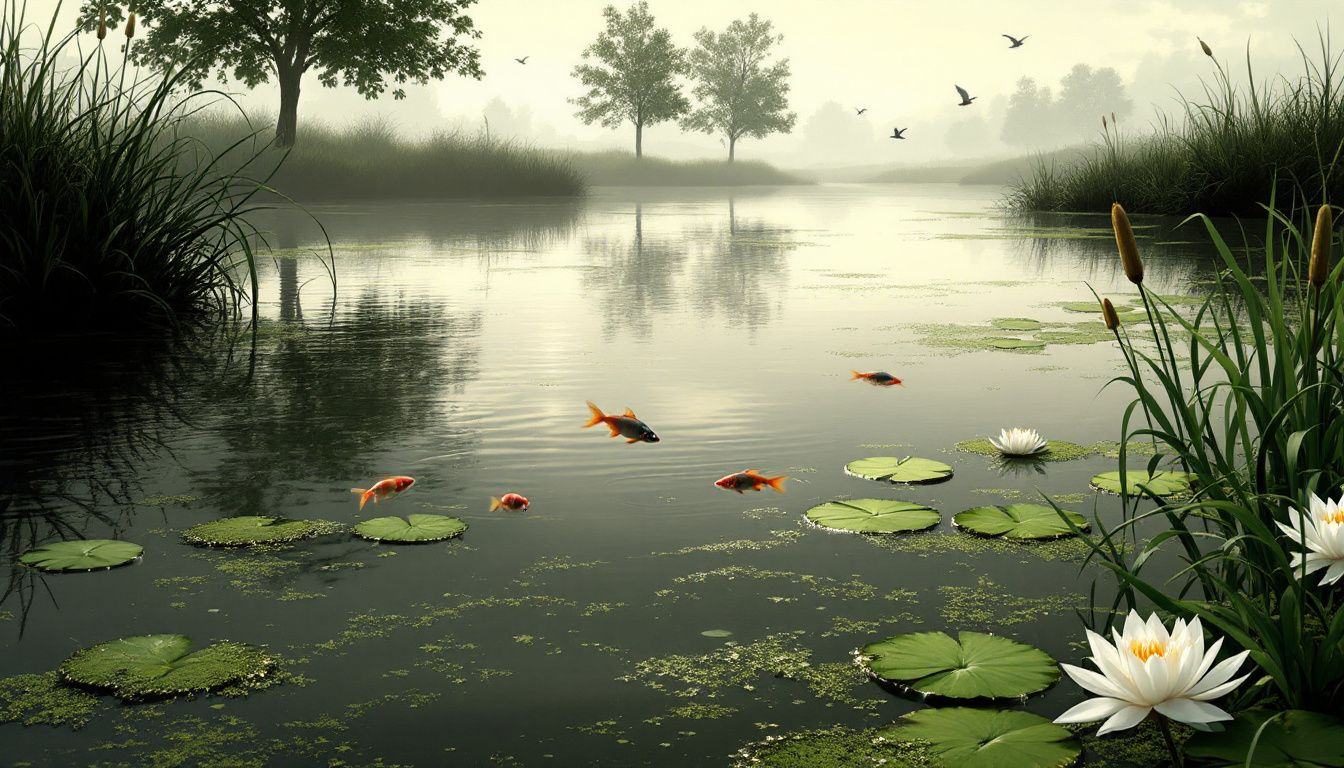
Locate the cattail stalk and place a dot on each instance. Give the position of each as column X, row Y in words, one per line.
column 102, row 22
column 130, row 26
column 1319, row 266
column 1108, row 314
column 1124, row 241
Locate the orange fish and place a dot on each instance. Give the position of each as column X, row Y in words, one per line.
column 383, row 489
column 510, row 501
column 880, row 378
column 751, row 479
column 627, row 425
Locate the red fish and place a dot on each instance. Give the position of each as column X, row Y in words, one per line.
column 383, row 489
column 880, row 378
column 627, row 425
column 751, row 479
column 510, row 501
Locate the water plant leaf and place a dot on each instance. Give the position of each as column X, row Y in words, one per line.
column 1055, row 450
column 873, row 516
column 963, row 737
column 1016, row 324
column 1016, row 344
column 910, row 469
column 82, row 555
column 1159, row 483
column 252, row 529
column 410, row 529
column 156, row 666
column 1091, row 306
column 1293, row 739
column 1020, row 522
column 717, row 633
column 973, row 666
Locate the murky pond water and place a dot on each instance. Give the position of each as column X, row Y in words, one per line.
column 636, row 614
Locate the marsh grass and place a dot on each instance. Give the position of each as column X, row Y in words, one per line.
column 109, row 218
column 623, row 169
column 1225, row 153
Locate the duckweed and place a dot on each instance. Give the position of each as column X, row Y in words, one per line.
column 1055, row 450
column 42, row 699
column 987, row 604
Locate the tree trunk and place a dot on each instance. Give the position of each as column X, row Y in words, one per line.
column 286, row 125
column 732, row 147
column 639, row 140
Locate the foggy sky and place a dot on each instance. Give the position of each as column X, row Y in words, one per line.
column 898, row 58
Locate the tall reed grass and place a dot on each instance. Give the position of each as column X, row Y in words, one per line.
column 1226, row 153
column 109, row 218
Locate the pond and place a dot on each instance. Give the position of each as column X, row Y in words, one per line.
column 635, row 614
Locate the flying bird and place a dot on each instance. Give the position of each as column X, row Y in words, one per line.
column 966, row 98
column 525, row 58
column 860, row 110
column 898, row 133
column 1017, row 41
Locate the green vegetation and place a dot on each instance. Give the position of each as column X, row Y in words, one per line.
column 873, row 516
column 972, row 666
column 1020, row 522
column 81, row 555
column 622, row 169
column 910, row 469
column 1055, row 450
column 156, row 666
column 963, row 737
column 412, row 528
column 251, row 530
column 43, row 700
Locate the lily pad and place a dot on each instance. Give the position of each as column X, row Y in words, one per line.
column 963, row 737
column 910, row 469
column 1293, row 739
column 1016, row 324
column 1019, row 522
column 1159, row 483
column 1090, row 306
column 411, row 529
column 1016, row 344
column 873, row 516
column 155, row 666
column 974, row 666
column 83, row 555
column 251, row 529
column 1055, row 450
column 717, row 633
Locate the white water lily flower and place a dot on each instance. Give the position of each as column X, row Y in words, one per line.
column 1148, row 669
column 1019, row 442
column 1322, row 531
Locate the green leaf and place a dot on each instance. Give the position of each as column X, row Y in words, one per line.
column 1293, row 739
column 1091, row 306
column 962, row 737
column 153, row 666
column 974, row 666
column 84, row 555
column 1016, row 324
column 412, row 528
column 1016, row 344
column 1160, row 483
column 910, row 469
column 1018, row 521
column 250, row 529
column 873, row 516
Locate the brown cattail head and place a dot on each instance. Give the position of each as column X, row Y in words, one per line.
column 1320, row 247
column 1124, row 241
column 1207, row 50
column 1108, row 314
column 102, row 22
column 1103, row 122
column 130, row 26
column 1112, row 118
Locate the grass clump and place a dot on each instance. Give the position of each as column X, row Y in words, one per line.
column 622, row 169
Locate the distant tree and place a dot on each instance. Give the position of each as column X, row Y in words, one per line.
column 968, row 136
column 1086, row 94
column 632, row 74
column 740, row 92
column 834, row 134
column 357, row 43
column 1028, row 121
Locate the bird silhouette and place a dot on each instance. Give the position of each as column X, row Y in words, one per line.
column 898, row 133
column 966, row 98
column 1017, row 41
column 523, row 60
column 860, row 110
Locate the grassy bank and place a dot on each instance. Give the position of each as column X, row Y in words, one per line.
column 1231, row 150
column 622, row 169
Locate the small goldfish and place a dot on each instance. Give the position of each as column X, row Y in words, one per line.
column 751, row 479
column 510, row 501
column 880, row 378
column 626, row 425
column 383, row 489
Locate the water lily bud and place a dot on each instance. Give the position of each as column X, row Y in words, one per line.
column 1207, row 50
column 130, row 26
column 1320, row 247
column 102, row 22
column 1109, row 315
column 1124, row 240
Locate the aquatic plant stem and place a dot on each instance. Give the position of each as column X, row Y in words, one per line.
column 1165, row 727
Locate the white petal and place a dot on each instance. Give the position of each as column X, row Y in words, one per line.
column 1092, row 710
column 1098, row 684
column 1187, row 711
column 1219, row 674
column 1125, row 718
column 1335, row 572
column 1223, row 689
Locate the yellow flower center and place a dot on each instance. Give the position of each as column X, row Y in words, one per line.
column 1145, row 649
column 1333, row 517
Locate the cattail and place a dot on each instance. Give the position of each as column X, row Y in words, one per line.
column 1124, row 240
column 1112, row 118
column 1103, row 122
column 1108, row 314
column 102, row 22
column 1207, row 50
column 130, row 26
column 1320, row 247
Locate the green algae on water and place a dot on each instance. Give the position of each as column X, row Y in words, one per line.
column 1055, row 450
column 42, row 699
column 988, row 604
column 833, row 747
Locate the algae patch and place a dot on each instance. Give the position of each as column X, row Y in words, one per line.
column 43, row 699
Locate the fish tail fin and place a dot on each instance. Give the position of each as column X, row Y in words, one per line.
column 364, row 495
column 853, row 375
column 598, row 415
column 495, row 503
column 777, row 482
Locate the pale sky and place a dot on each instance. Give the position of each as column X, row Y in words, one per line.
column 898, row 58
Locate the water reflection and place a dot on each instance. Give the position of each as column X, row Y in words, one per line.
column 636, row 276
column 742, row 270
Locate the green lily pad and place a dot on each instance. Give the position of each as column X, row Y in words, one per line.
column 1293, row 739
column 1016, row 344
column 717, row 633
column 873, row 516
column 1019, row 522
column 910, row 469
column 83, row 555
column 1016, row 324
column 1055, row 450
column 155, row 666
column 1159, row 484
column 963, row 737
column 974, row 666
column 251, row 529
column 1091, row 306
column 411, row 529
